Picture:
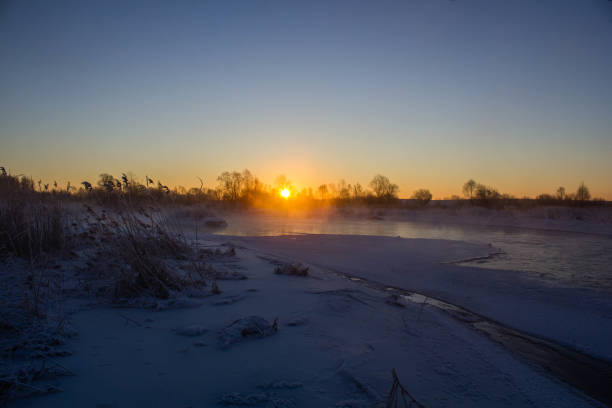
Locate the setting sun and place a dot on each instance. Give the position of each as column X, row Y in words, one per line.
column 285, row 193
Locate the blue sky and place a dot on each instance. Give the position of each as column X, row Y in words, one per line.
column 516, row 94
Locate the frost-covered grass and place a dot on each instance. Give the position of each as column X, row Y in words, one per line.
column 268, row 340
column 54, row 257
column 30, row 229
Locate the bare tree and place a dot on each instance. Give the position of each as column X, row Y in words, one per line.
column 344, row 190
column 249, row 182
column 230, row 185
column 561, row 195
column 468, row 188
column 357, row 191
column 383, row 188
column 422, row 196
column 486, row 195
column 583, row 194
column 322, row 190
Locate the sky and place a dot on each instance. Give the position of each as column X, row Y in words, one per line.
column 515, row 94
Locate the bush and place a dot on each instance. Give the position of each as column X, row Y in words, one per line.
column 488, row 196
column 422, row 197
column 296, row 269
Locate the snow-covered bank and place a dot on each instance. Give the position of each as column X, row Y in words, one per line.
column 336, row 344
column 580, row 318
column 167, row 316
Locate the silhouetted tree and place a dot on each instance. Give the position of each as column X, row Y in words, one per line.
column 358, row 191
column 486, row 195
column 251, row 186
column 561, row 195
column 322, row 191
column 468, row 188
column 230, row 185
column 483, row 192
column 422, row 196
column 383, row 188
column 583, row 194
column 344, row 190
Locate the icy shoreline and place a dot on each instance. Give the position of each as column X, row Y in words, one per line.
column 510, row 297
column 336, row 341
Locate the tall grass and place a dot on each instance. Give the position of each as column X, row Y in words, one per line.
column 144, row 243
column 29, row 229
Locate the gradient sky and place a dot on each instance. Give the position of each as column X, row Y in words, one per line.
column 516, row 94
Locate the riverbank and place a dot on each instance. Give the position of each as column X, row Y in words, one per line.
column 335, row 342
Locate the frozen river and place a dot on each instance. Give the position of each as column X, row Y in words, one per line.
column 565, row 258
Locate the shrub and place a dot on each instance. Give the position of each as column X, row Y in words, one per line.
column 422, row 197
column 296, row 269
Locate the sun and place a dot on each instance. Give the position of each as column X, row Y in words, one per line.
column 285, row 193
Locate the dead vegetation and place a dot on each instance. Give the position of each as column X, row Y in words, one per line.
column 150, row 256
column 29, row 230
column 143, row 247
column 294, row 269
column 119, row 254
column 247, row 328
column 399, row 396
column 21, row 384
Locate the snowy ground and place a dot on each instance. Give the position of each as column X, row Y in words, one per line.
column 577, row 317
column 337, row 339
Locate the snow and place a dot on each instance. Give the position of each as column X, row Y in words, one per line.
column 337, row 339
column 578, row 317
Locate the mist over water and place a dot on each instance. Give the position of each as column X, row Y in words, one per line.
column 563, row 258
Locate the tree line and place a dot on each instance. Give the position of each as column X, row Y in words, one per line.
column 481, row 194
column 243, row 188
